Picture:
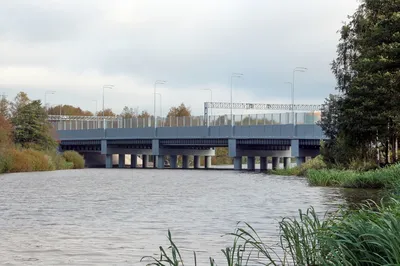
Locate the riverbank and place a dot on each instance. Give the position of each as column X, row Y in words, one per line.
column 14, row 160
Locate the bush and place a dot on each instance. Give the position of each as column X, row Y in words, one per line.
column 315, row 163
column 58, row 161
column 5, row 161
column 75, row 158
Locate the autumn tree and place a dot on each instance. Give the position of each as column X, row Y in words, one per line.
column 5, row 133
column 179, row 111
column 107, row 112
column 68, row 110
column 4, row 107
column 127, row 112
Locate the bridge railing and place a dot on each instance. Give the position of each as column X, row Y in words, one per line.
column 93, row 122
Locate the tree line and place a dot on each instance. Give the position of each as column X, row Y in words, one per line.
column 363, row 119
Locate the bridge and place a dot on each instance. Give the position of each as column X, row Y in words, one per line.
column 275, row 135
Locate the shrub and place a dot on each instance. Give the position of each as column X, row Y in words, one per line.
column 75, row 158
column 315, row 163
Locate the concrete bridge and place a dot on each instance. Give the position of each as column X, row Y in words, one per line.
column 261, row 139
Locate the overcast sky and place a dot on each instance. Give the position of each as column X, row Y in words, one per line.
column 76, row 46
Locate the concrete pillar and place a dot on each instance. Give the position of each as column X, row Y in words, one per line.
column 300, row 160
column 160, row 161
column 287, row 162
column 237, row 163
column 251, row 163
column 275, row 163
column 145, row 160
column 174, row 161
column 263, row 163
column 185, row 161
column 133, row 160
column 121, row 160
column 207, row 162
column 196, row 162
column 154, row 161
column 109, row 162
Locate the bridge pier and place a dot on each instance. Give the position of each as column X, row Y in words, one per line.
column 173, row 161
column 251, row 163
column 287, row 161
column 207, row 162
column 145, row 160
column 133, row 160
column 237, row 163
column 263, row 163
column 109, row 161
column 121, row 160
column 185, row 161
column 275, row 163
column 160, row 161
column 300, row 160
column 196, row 162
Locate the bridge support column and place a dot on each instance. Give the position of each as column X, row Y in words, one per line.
column 207, row 162
column 154, row 161
column 121, row 160
column 251, row 163
column 133, row 160
column 160, row 161
column 109, row 162
column 275, row 163
column 173, row 161
column 185, row 161
column 196, row 162
column 237, row 163
column 145, row 160
column 287, row 162
column 300, row 160
column 263, row 163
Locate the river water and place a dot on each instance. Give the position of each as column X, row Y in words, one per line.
column 116, row 216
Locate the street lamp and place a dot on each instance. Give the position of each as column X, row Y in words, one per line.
column 210, row 90
column 95, row 114
column 45, row 97
column 104, row 119
column 161, row 113
column 234, row 75
column 297, row 69
column 155, row 91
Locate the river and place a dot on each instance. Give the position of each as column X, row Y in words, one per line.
column 116, row 216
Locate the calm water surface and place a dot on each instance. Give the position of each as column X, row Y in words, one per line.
column 116, row 216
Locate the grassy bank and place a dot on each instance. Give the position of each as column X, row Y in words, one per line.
column 369, row 236
column 13, row 160
column 318, row 174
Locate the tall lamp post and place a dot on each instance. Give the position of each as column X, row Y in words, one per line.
column 45, row 98
column 155, row 103
column 161, row 113
column 211, row 98
column 95, row 114
column 297, row 69
column 104, row 119
column 291, row 98
column 234, row 75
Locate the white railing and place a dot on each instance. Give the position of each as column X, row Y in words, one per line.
column 93, row 122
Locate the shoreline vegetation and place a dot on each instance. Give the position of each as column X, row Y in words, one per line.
column 27, row 140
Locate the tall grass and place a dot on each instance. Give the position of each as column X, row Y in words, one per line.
column 75, row 158
column 369, row 236
column 387, row 178
column 315, row 163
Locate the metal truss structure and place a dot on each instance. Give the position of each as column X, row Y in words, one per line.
column 84, row 118
column 260, row 106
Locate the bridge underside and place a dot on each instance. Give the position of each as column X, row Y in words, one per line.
column 159, row 153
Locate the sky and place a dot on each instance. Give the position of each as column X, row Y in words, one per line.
column 75, row 47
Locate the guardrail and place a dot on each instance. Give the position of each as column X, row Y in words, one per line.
column 93, row 122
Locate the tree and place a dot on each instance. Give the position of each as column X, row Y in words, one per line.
column 68, row 110
column 4, row 107
column 367, row 70
column 144, row 114
column 107, row 112
column 5, row 133
column 179, row 111
column 330, row 116
column 32, row 128
column 20, row 101
column 128, row 112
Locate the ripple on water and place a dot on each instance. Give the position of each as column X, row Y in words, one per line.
column 116, row 216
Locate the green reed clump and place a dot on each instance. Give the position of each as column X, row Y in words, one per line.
column 315, row 163
column 368, row 236
column 386, row 178
column 75, row 158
